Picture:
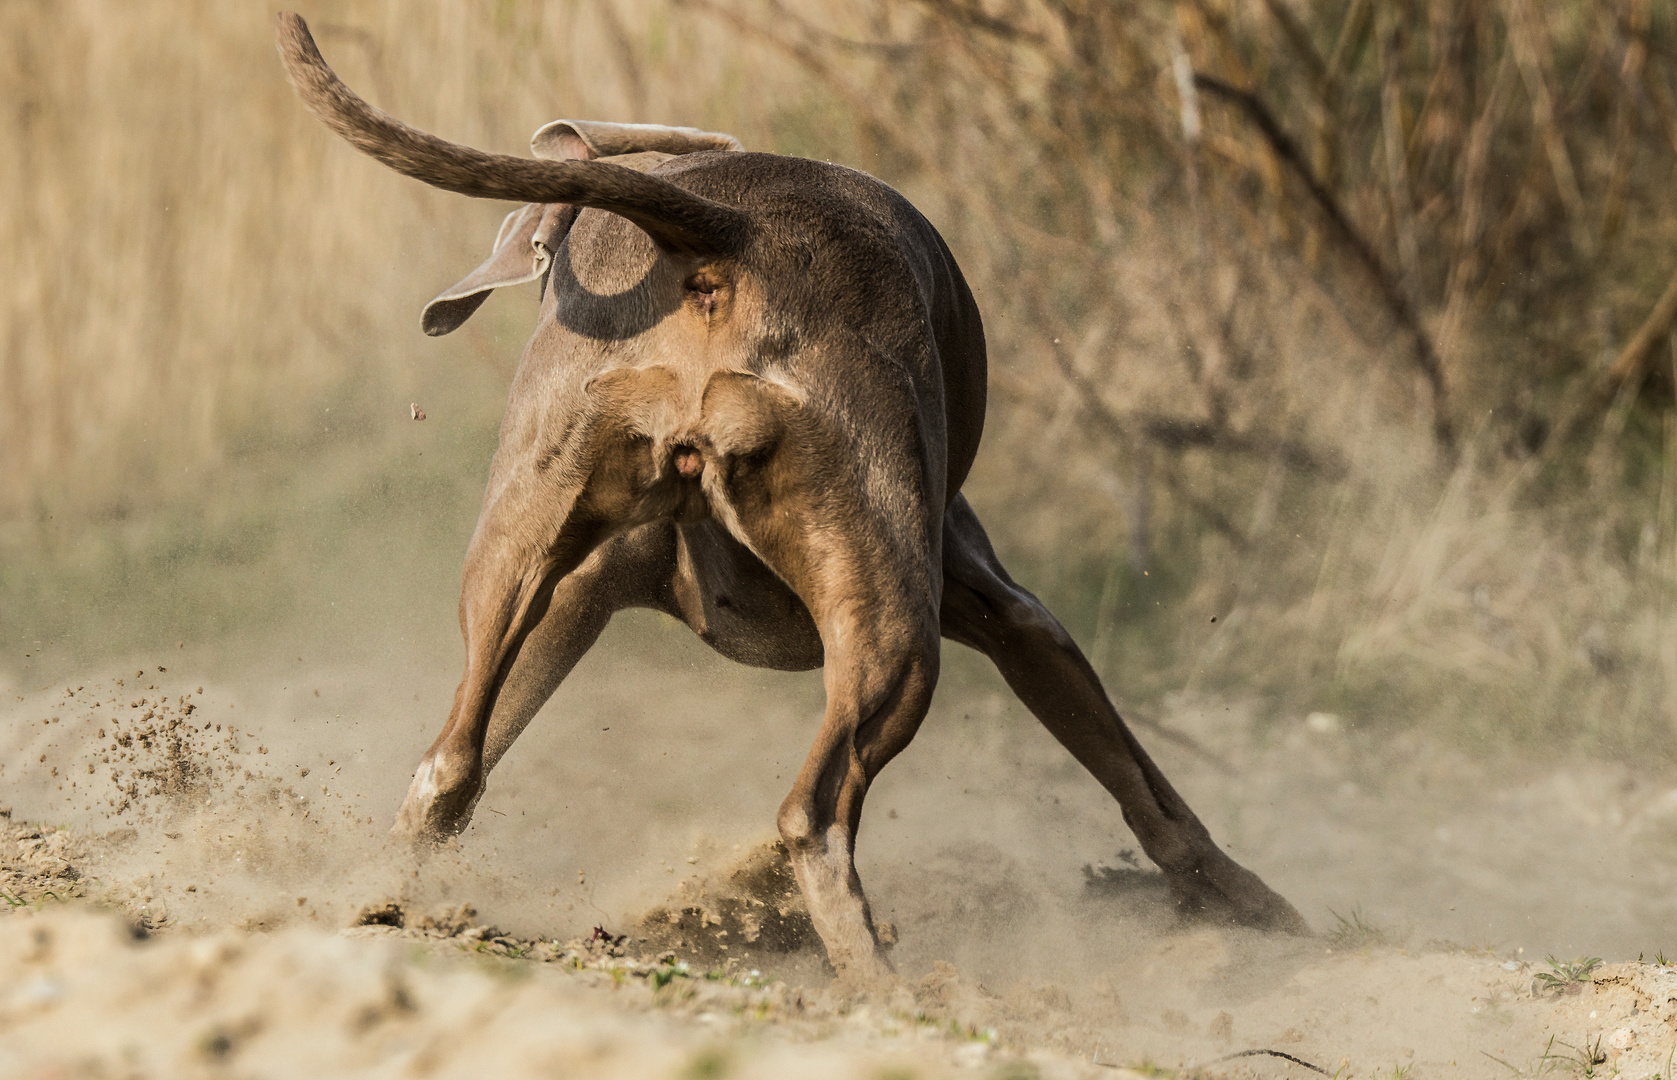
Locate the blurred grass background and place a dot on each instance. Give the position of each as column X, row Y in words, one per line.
column 1332, row 356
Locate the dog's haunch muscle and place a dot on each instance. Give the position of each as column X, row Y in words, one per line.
column 660, row 447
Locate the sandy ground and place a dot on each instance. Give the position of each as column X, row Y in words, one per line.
column 82, row 996
column 233, row 814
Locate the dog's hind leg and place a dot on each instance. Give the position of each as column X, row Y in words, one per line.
column 879, row 639
column 879, row 682
column 985, row 609
column 860, row 552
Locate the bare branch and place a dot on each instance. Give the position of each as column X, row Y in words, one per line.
column 1524, row 35
column 1179, row 433
column 1629, row 366
column 1396, row 300
column 1299, row 38
column 969, row 14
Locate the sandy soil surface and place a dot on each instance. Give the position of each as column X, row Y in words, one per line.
column 191, row 846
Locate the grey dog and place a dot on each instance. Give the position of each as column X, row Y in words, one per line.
column 754, row 391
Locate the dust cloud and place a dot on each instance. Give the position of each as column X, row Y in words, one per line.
column 234, row 797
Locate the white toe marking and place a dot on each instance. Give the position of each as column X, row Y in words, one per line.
column 424, row 782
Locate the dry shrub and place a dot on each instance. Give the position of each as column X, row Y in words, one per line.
column 1328, row 321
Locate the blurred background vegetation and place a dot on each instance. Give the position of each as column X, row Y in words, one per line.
column 1331, row 340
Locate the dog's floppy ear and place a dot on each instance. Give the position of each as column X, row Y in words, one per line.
column 531, row 234
column 586, row 140
column 523, row 251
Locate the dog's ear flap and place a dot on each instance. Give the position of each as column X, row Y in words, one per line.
column 523, row 251
column 529, row 236
column 586, row 140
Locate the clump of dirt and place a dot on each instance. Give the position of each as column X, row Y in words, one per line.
column 38, row 863
column 451, row 922
column 751, row 909
column 131, row 748
column 620, row 955
column 186, row 817
column 170, row 754
column 746, row 914
column 1128, row 880
column 459, row 921
column 383, row 913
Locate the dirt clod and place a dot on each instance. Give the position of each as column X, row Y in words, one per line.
column 383, row 913
column 755, row 908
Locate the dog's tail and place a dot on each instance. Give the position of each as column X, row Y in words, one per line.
column 678, row 221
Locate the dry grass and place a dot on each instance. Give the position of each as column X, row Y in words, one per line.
column 195, row 262
column 1205, row 391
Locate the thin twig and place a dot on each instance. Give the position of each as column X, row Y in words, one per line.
column 1114, row 426
column 970, row 14
column 1205, row 509
column 1397, row 301
column 1633, row 358
column 1253, row 1054
column 813, row 60
column 1523, row 36
column 1396, row 146
column 1467, row 263
column 1181, row 433
column 893, row 49
column 1299, row 38
column 1178, row 433
column 1187, row 742
column 1356, row 16
column 1258, row 1053
column 1503, row 1063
